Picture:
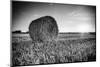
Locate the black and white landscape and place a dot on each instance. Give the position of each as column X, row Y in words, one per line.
column 52, row 33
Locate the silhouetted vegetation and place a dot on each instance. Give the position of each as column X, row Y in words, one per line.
column 20, row 32
column 17, row 31
column 93, row 33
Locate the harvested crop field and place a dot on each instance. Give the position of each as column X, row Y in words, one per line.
column 68, row 48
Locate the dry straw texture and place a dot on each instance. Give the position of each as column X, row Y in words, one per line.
column 43, row 29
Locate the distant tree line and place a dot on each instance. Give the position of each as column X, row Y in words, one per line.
column 19, row 31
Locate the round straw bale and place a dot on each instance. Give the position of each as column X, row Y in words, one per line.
column 43, row 29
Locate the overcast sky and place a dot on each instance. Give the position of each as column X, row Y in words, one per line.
column 70, row 18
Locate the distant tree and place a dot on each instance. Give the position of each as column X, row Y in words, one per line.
column 17, row 31
column 93, row 33
column 27, row 32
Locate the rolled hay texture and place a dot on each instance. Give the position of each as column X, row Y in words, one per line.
column 43, row 29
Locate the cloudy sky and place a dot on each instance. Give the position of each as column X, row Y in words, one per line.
column 70, row 18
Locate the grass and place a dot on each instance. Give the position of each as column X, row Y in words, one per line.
column 25, row 52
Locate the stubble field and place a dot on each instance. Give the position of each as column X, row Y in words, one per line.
column 68, row 48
